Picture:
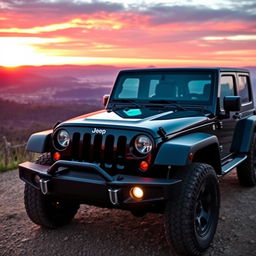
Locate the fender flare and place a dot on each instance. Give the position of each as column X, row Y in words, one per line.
column 176, row 151
column 243, row 135
column 39, row 142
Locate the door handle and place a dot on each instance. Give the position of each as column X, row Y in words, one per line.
column 237, row 116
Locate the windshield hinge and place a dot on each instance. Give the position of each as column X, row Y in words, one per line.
column 162, row 133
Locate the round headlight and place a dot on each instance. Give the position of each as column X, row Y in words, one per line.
column 63, row 138
column 143, row 144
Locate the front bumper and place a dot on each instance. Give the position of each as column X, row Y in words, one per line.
column 90, row 184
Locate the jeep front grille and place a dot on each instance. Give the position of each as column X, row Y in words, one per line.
column 109, row 150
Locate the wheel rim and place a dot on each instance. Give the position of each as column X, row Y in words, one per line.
column 205, row 208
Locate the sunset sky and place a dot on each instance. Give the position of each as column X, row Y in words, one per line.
column 134, row 33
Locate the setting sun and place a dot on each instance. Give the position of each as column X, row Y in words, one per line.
column 14, row 53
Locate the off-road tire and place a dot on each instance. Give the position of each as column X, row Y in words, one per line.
column 191, row 217
column 246, row 171
column 45, row 210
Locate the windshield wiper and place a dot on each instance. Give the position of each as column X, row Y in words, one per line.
column 172, row 103
column 134, row 103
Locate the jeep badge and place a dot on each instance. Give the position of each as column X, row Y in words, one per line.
column 99, row 131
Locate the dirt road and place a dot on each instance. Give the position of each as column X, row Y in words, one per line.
column 96, row 231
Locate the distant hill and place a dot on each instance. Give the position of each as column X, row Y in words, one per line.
column 65, row 83
column 50, row 83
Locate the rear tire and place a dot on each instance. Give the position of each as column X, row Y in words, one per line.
column 46, row 210
column 191, row 218
column 246, row 171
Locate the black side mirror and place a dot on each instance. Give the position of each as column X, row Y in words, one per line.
column 105, row 99
column 232, row 103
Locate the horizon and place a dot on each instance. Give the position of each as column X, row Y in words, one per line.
column 134, row 34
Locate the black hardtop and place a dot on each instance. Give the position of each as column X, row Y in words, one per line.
column 198, row 69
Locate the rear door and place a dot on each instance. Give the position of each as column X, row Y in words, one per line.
column 244, row 89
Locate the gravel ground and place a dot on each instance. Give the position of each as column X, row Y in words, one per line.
column 97, row 231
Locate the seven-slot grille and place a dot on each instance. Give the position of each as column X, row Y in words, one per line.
column 107, row 149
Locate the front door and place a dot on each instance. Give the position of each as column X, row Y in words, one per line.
column 225, row 128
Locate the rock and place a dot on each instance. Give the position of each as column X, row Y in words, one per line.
column 24, row 240
column 252, row 241
column 252, row 217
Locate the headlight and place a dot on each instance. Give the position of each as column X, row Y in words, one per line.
column 63, row 138
column 143, row 144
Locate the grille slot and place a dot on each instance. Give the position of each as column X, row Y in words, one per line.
column 108, row 150
column 75, row 145
column 121, row 148
column 97, row 148
column 86, row 147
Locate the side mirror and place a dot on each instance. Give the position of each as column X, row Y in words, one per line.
column 105, row 99
column 232, row 103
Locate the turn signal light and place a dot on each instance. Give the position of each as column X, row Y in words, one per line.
column 144, row 166
column 136, row 193
column 190, row 156
column 56, row 156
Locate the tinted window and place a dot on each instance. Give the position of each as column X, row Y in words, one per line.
column 129, row 88
column 176, row 86
column 243, row 89
column 152, row 87
column 227, row 88
column 199, row 89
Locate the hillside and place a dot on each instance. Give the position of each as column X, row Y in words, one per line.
column 51, row 83
column 18, row 121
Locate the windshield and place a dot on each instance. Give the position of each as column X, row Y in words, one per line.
column 155, row 87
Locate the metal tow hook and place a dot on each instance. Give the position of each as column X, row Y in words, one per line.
column 44, row 186
column 113, row 196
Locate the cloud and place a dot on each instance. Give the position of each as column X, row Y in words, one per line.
column 62, row 7
column 162, row 14
column 92, row 23
column 231, row 38
column 145, row 30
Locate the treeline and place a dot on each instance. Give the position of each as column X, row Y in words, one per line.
column 18, row 121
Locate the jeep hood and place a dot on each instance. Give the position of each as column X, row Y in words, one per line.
column 137, row 119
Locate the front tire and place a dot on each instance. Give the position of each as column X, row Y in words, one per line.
column 46, row 210
column 246, row 171
column 191, row 219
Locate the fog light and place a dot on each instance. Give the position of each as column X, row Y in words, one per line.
column 136, row 193
column 56, row 156
column 37, row 179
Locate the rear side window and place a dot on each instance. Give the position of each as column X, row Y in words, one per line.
column 243, row 89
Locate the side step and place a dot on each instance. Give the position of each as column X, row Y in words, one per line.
column 232, row 164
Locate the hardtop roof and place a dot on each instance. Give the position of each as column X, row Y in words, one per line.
column 215, row 69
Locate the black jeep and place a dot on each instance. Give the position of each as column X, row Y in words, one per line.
column 159, row 145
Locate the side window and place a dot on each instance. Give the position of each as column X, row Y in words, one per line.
column 130, row 88
column 243, row 89
column 227, row 88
